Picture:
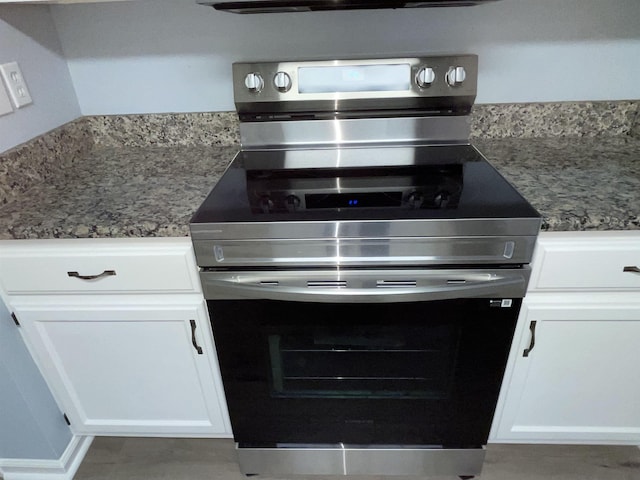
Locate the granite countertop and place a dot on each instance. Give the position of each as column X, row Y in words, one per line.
column 118, row 192
column 575, row 183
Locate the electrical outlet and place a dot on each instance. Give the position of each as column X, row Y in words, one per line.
column 5, row 103
column 16, row 85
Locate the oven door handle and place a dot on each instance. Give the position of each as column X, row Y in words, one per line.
column 358, row 288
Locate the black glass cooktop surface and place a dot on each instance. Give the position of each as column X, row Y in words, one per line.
column 384, row 183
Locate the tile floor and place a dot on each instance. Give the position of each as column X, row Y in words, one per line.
column 206, row 459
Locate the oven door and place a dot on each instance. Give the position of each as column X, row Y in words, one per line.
column 414, row 372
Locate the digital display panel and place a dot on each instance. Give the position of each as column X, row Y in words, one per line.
column 353, row 200
column 354, row 78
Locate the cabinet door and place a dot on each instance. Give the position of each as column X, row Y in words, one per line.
column 580, row 383
column 130, row 369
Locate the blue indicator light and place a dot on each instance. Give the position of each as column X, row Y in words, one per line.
column 353, row 202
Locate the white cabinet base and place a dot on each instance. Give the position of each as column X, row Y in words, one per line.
column 580, row 383
column 129, row 368
column 115, row 326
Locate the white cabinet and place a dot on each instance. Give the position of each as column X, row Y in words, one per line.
column 586, row 262
column 581, row 381
column 136, row 368
column 120, row 266
column 129, row 353
column 574, row 369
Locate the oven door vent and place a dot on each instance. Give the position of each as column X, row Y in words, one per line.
column 326, row 284
column 396, row 283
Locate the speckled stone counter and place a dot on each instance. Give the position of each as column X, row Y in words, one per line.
column 118, row 192
column 575, row 183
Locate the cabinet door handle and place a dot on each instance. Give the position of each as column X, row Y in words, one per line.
column 193, row 337
column 631, row 269
column 532, row 327
column 106, row 273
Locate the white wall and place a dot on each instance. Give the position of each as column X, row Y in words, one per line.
column 28, row 35
column 175, row 56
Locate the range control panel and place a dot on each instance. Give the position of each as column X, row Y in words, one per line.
column 417, row 187
column 390, row 82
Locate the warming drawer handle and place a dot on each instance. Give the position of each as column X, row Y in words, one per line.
column 631, row 269
column 532, row 327
column 106, row 273
column 193, row 337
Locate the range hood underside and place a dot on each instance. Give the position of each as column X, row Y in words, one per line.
column 275, row 6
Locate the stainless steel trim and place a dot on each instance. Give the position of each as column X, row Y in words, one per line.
column 360, row 460
column 378, row 155
column 357, row 286
column 293, row 461
column 315, row 133
column 414, row 461
column 271, row 100
column 368, row 252
column 427, row 228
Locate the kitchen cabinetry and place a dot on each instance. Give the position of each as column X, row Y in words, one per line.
column 574, row 369
column 120, row 331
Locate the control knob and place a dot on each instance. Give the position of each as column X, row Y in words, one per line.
column 292, row 203
column 441, row 200
column 425, row 77
column 254, row 82
column 266, row 204
column 282, row 81
column 455, row 76
column 415, row 199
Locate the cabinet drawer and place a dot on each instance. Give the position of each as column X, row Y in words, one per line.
column 586, row 261
column 98, row 266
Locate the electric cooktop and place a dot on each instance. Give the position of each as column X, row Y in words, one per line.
column 362, row 183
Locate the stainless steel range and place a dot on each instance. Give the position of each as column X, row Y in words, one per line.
column 363, row 266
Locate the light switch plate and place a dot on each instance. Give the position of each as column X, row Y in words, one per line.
column 16, row 84
column 5, row 103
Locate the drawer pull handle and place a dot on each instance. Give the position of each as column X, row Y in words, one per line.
column 532, row 327
column 633, row 269
column 106, row 273
column 193, row 337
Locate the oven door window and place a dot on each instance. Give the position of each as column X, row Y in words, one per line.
column 364, row 361
column 416, row 373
